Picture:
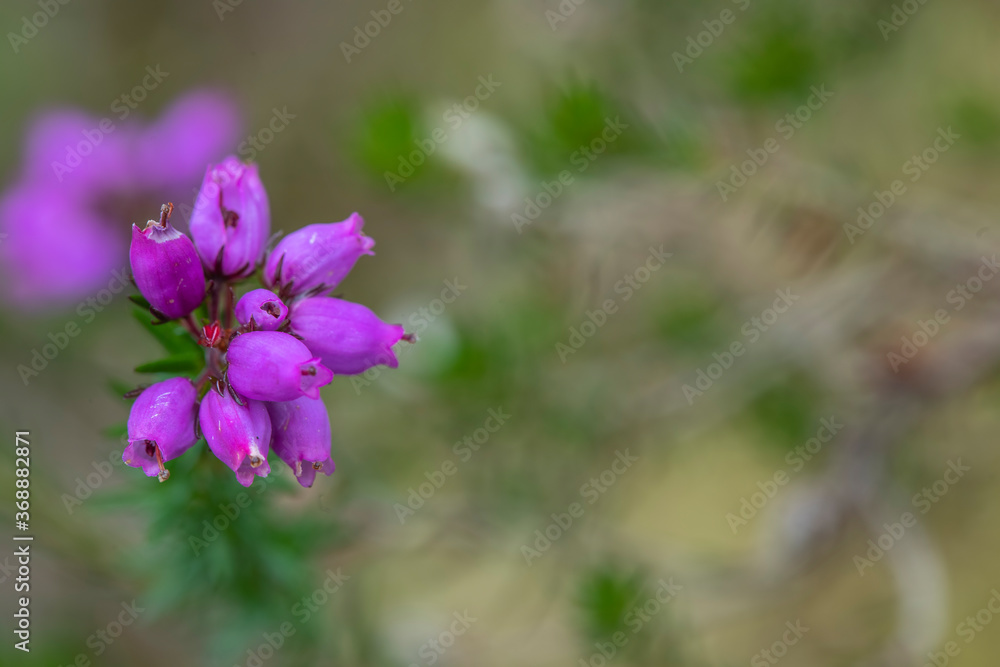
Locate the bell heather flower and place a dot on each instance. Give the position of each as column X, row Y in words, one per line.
column 161, row 426
column 78, row 180
column 231, row 220
column 262, row 372
column 237, row 434
column 165, row 267
column 348, row 337
column 317, row 257
column 263, row 307
column 274, row 366
column 301, row 437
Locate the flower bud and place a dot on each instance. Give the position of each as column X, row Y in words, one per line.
column 347, row 337
column 317, row 257
column 263, row 307
column 166, row 268
column 238, row 435
column 231, row 220
column 161, row 426
column 301, row 437
column 274, row 366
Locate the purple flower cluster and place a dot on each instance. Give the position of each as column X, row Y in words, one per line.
column 82, row 175
column 263, row 373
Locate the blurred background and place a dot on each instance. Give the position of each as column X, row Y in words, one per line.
column 708, row 338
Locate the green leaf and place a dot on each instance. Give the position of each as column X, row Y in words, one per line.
column 174, row 338
column 185, row 364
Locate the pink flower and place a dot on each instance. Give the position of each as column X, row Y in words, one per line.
column 273, row 366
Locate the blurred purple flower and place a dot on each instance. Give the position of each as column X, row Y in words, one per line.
column 60, row 217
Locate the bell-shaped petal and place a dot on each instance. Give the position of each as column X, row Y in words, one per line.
column 239, row 435
column 263, row 307
column 348, row 337
column 166, row 268
column 317, row 257
column 231, row 220
column 301, row 437
column 161, row 426
column 274, row 366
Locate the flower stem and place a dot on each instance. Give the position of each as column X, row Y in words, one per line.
column 192, row 327
column 228, row 313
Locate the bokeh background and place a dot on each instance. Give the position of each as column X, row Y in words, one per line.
column 754, row 536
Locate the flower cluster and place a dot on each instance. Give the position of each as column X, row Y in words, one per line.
column 267, row 354
column 95, row 172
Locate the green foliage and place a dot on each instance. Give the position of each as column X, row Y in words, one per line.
column 238, row 569
column 689, row 321
column 185, row 358
column 781, row 57
column 787, row 411
column 385, row 131
column 573, row 117
column 178, row 364
column 606, row 594
column 978, row 120
column 174, row 338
